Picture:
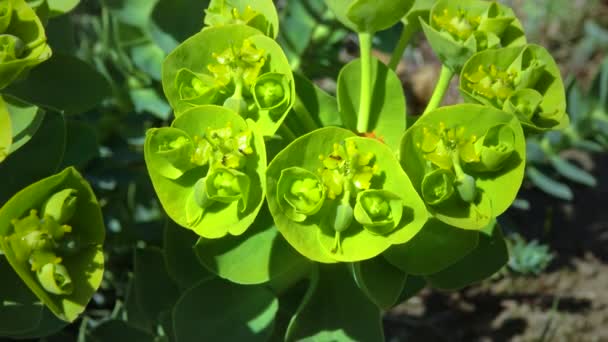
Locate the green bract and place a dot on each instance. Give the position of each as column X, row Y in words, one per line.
column 466, row 161
column 259, row 14
column 369, row 15
column 521, row 80
column 22, row 40
column 51, row 233
column 234, row 66
column 458, row 29
column 338, row 197
column 208, row 170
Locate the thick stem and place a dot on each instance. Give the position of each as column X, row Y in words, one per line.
column 440, row 88
column 365, row 46
column 404, row 39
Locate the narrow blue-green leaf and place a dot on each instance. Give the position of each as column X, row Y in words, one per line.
column 548, row 184
column 335, row 309
column 387, row 112
column 217, row 310
column 148, row 100
column 379, row 280
column 572, row 172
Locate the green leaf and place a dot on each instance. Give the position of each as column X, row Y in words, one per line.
column 20, row 310
column 493, row 191
column 380, row 281
column 434, row 248
column 335, row 309
column 85, row 264
column 487, row 258
column 176, row 195
column 37, row 159
column 387, row 114
column 49, row 325
column 572, row 172
column 152, row 280
column 116, row 330
column 247, row 313
column 259, row 255
column 313, row 102
column 369, row 15
column 180, row 256
column 25, row 119
column 64, row 83
column 81, row 144
column 413, row 285
column 549, row 185
column 133, row 314
column 315, row 236
column 23, row 41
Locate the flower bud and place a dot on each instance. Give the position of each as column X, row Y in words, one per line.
column 61, row 206
column 466, row 188
column 343, row 217
column 497, row 147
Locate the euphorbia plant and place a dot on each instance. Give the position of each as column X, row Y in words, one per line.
column 372, row 193
column 298, row 200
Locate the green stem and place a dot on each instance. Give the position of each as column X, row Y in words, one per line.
column 286, row 133
column 440, row 88
column 365, row 45
column 304, row 117
column 404, row 39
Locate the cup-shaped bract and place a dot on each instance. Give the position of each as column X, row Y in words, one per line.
column 259, row 14
column 300, row 193
column 319, row 182
column 233, row 66
column 22, row 40
column 524, row 81
column 52, row 234
column 466, row 161
column 221, row 188
column 378, row 211
column 458, row 29
column 369, row 16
